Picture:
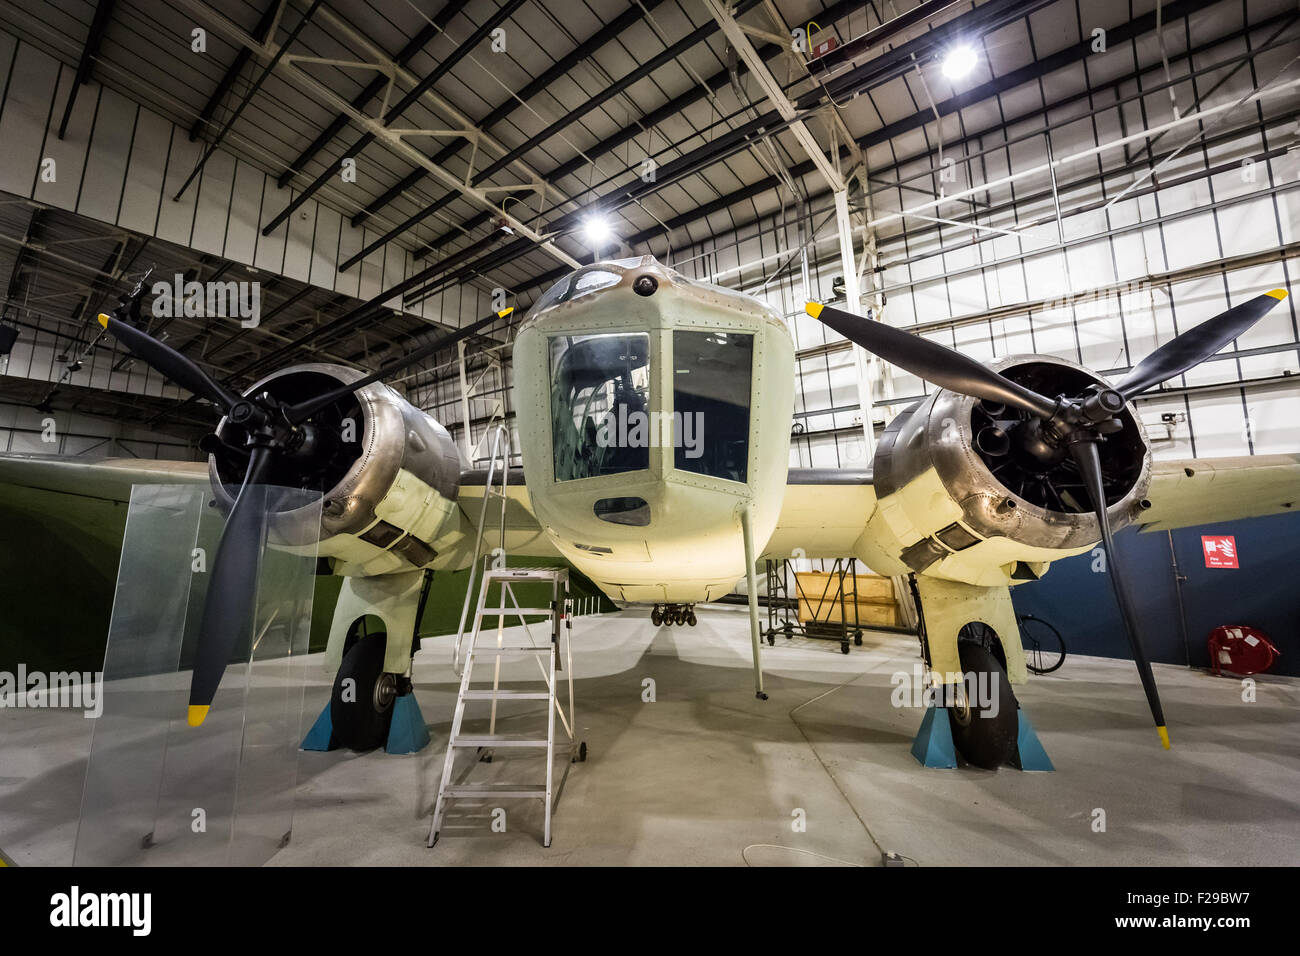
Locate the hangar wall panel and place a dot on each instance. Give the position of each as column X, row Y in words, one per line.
column 112, row 166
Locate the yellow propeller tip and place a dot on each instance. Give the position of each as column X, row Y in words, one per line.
column 1278, row 294
column 504, row 312
column 813, row 308
column 1164, row 736
column 197, row 714
column 103, row 320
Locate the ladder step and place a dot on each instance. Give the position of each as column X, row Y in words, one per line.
column 512, row 611
column 498, row 740
column 488, row 651
column 506, row 695
column 495, row 790
column 525, row 574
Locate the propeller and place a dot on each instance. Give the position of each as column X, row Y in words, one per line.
column 1060, row 429
column 276, row 432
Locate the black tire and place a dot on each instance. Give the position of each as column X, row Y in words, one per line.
column 656, row 618
column 857, row 639
column 983, row 740
column 844, row 647
column 1043, row 644
column 690, row 618
column 362, row 724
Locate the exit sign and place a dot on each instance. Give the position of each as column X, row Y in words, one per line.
column 1220, row 550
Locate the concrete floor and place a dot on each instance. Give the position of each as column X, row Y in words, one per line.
column 706, row 774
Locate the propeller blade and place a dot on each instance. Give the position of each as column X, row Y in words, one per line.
column 297, row 414
column 169, row 362
column 1089, row 462
column 935, row 363
column 1196, row 344
column 230, row 604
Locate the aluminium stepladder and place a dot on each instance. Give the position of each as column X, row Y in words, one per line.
column 560, row 614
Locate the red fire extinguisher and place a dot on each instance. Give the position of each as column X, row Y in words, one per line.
column 1241, row 650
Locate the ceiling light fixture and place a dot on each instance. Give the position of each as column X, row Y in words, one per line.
column 596, row 229
column 958, row 61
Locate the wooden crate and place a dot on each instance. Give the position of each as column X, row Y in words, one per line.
column 873, row 595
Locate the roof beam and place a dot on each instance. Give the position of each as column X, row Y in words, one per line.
column 775, row 95
column 260, row 33
column 557, row 70
column 392, row 114
column 372, row 89
column 103, row 12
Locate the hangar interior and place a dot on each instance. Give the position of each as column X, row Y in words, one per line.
column 1084, row 179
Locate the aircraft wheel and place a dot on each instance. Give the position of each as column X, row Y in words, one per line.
column 361, row 712
column 983, row 735
column 656, row 616
column 690, row 618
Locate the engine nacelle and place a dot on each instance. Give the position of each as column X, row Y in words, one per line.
column 389, row 492
column 960, row 499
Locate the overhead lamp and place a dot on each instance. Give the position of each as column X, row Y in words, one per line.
column 958, row 61
column 596, row 228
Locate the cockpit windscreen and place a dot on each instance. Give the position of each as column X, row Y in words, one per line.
column 600, row 404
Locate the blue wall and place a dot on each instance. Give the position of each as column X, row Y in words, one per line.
column 1264, row 593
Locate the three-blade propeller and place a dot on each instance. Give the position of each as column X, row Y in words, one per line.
column 1075, row 424
column 272, row 430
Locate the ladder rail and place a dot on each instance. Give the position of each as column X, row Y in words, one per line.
column 561, row 610
column 499, row 433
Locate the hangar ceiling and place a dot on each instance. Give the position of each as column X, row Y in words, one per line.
column 549, row 111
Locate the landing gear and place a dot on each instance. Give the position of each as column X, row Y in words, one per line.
column 673, row 614
column 983, row 729
column 361, row 703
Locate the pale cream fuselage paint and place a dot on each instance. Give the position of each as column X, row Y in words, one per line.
column 692, row 549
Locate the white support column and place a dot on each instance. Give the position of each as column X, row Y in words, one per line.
column 853, row 304
column 466, row 440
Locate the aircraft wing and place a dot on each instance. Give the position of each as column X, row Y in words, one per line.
column 824, row 513
column 1196, row 491
column 108, row 478
column 524, row 534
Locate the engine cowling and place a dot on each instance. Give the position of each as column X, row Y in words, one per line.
column 961, row 498
column 389, row 474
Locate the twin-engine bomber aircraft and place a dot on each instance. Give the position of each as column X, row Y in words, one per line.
column 654, row 415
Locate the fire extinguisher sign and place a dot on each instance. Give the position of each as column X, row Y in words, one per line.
column 1220, row 550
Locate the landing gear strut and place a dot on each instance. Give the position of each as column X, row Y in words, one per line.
column 673, row 614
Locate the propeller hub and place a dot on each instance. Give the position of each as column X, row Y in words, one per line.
column 243, row 412
column 1100, row 404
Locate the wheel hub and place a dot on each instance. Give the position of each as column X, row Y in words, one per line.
column 385, row 691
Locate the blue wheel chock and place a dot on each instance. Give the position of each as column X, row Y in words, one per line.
column 1029, row 754
column 933, row 745
column 407, row 734
column 321, row 735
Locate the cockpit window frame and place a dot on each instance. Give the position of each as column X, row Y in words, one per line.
column 653, row 389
